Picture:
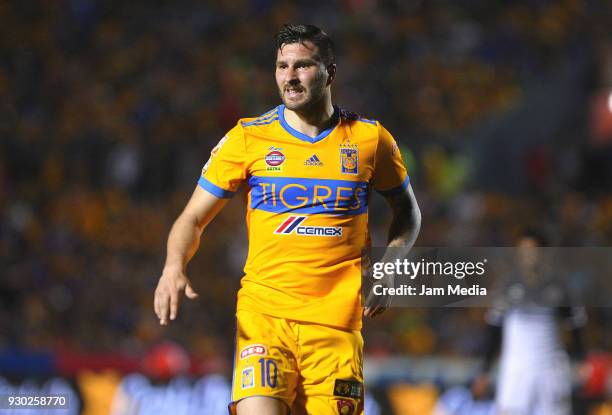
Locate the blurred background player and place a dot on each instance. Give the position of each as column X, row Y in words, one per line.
column 309, row 167
column 534, row 376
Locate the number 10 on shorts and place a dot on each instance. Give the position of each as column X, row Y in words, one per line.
column 268, row 372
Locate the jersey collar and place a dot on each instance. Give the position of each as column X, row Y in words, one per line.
column 302, row 136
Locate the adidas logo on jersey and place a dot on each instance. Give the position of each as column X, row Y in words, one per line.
column 313, row 161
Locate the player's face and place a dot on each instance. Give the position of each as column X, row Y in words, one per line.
column 300, row 76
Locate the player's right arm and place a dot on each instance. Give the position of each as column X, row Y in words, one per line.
column 221, row 177
column 183, row 242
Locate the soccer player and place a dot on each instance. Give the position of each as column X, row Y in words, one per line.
column 309, row 167
column 534, row 372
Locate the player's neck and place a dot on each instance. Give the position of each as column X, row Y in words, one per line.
column 312, row 121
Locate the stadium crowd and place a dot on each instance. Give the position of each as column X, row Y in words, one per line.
column 109, row 110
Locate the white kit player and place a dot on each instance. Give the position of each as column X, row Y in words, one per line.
column 534, row 368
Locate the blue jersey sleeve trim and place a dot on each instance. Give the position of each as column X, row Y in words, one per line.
column 396, row 190
column 214, row 189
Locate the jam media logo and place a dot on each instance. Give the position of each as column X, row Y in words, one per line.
column 349, row 159
column 274, row 159
column 313, row 161
column 293, row 225
column 253, row 349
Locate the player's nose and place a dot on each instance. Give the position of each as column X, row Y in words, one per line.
column 292, row 74
column 293, row 78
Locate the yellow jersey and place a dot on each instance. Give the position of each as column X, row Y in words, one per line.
column 307, row 210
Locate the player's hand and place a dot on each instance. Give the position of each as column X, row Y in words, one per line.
column 377, row 304
column 585, row 371
column 480, row 385
column 170, row 287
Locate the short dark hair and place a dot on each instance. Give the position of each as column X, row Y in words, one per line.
column 300, row 33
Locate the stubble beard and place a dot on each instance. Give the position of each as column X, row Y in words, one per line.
column 313, row 97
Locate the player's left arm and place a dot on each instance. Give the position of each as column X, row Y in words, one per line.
column 406, row 220
column 492, row 345
column 574, row 319
column 403, row 231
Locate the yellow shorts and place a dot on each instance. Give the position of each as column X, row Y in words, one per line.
column 314, row 369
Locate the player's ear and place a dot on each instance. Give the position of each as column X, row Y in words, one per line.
column 331, row 73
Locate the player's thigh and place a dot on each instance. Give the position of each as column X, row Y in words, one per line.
column 331, row 366
column 516, row 390
column 261, row 405
column 554, row 397
column 264, row 361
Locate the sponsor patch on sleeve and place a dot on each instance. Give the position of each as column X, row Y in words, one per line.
column 216, row 149
column 253, row 349
column 347, row 389
column 248, row 377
